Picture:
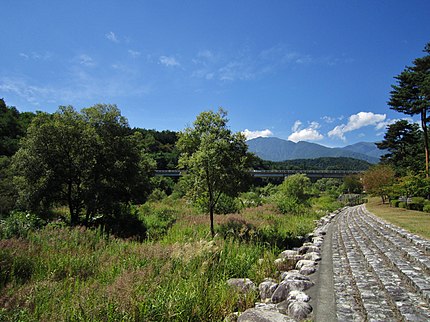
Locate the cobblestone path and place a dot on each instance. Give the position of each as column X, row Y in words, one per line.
column 381, row 272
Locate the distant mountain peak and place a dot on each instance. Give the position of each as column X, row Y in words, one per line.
column 276, row 149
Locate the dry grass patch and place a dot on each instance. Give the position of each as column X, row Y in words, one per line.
column 416, row 222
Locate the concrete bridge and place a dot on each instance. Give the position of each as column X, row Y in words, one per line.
column 312, row 174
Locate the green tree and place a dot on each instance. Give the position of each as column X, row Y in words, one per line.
column 13, row 126
column 352, row 184
column 55, row 161
column 378, row 180
column 89, row 161
column 411, row 95
column 215, row 160
column 293, row 196
column 403, row 142
column 122, row 168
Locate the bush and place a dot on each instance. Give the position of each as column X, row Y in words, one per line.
column 124, row 223
column 426, row 208
column 402, row 204
column 237, row 229
column 250, row 199
column 157, row 195
column 395, row 203
column 291, row 205
column 417, row 203
column 157, row 220
column 18, row 224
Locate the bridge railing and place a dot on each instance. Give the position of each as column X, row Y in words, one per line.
column 275, row 173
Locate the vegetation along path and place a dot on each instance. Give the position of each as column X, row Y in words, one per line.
column 380, row 272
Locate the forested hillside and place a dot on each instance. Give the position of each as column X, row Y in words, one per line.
column 340, row 163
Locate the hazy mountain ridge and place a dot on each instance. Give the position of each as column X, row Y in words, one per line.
column 275, row 149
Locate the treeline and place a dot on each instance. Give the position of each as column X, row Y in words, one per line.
column 324, row 163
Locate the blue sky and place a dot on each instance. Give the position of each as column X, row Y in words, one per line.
column 317, row 71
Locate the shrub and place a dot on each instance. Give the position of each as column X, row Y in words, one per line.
column 402, row 204
column 237, row 229
column 250, row 199
column 157, row 220
column 18, row 224
column 395, row 203
column 417, row 203
column 426, row 208
column 157, row 195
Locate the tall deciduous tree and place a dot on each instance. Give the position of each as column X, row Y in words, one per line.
column 411, row 95
column 378, row 179
column 55, row 161
column 215, row 160
column 89, row 161
column 403, row 142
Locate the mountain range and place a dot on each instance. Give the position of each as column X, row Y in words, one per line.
column 276, row 149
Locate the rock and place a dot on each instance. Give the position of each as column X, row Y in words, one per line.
column 281, row 292
column 288, row 253
column 298, row 296
column 308, row 270
column 294, row 275
column 243, row 285
column 304, row 262
column 267, row 288
column 299, row 310
column 265, row 306
column 308, row 249
column 313, row 256
column 286, row 286
column 256, row 315
column 285, row 264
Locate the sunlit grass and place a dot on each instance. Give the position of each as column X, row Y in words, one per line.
column 416, row 222
column 179, row 274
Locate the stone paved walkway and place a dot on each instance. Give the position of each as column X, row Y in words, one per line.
column 380, row 272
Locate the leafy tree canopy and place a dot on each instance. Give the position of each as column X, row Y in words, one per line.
column 405, row 150
column 411, row 95
column 90, row 161
column 13, row 126
column 216, row 160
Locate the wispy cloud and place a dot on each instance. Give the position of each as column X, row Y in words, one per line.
column 134, row 53
column 357, row 121
column 112, row 37
column 168, row 61
column 36, row 55
column 86, row 60
column 309, row 133
column 255, row 134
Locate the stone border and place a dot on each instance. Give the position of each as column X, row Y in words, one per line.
column 286, row 300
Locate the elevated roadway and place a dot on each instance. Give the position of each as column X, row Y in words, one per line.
column 312, row 174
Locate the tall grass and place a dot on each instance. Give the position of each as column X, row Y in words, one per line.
column 179, row 274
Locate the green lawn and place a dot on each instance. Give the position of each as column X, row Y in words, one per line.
column 416, row 222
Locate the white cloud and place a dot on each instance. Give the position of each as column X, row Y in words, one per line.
column 255, row 134
column 328, row 119
column 134, row 53
column 307, row 134
column 357, row 121
column 112, row 37
column 168, row 61
column 296, row 126
column 36, row 55
column 86, row 60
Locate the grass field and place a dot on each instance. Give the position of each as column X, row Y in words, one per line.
column 179, row 273
column 416, row 222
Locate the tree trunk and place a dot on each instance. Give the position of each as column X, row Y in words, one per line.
column 211, row 214
column 426, row 139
